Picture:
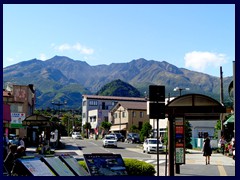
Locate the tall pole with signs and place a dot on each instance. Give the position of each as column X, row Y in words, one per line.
column 179, row 143
column 157, row 110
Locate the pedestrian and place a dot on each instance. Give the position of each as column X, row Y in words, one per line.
column 9, row 160
column 16, row 170
column 222, row 143
column 207, row 150
column 5, row 145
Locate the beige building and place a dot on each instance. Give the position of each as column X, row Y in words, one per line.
column 126, row 114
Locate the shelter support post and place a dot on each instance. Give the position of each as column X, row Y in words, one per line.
column 171, row 145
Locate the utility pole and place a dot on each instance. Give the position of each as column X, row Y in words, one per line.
column 221, row 98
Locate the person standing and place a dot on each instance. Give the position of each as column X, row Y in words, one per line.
column 222, row 143
column 207, row 150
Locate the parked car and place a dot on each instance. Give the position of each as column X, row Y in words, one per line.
column 133, row 138
column 109, row 141
column 150, row 145
column 13, row 139
column 76, row 135
column 119, row 136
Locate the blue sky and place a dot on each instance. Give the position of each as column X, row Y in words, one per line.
column 199, row 37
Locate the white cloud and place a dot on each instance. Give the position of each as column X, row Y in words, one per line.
column 200, row 61
column 42, row 57
column 78, row 47
column 10, row 59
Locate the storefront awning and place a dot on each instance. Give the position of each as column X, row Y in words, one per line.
column 118, row 128
column 229, row 120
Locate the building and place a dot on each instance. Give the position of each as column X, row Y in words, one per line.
column 126, row 114
column 95, row 108
column 21, row 99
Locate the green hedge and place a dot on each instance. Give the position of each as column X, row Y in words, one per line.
column 134, row 167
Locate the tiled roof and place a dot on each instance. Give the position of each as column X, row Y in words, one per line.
column 133, row 105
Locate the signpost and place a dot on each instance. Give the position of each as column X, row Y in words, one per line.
column 157, row 110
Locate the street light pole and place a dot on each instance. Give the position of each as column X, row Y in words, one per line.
column 59, row 104
column 120, row 120
column 180, row 90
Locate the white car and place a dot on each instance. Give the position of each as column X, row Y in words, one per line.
column 109, row 141
column 76, row 135
column 150, row 146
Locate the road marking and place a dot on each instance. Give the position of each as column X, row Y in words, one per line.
column 160, row 162
column 221, row 170
column 150, row 160
column 93, row 143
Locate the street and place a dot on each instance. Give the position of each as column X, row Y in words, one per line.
column 195, row 163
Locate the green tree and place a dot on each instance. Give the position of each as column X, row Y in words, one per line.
column 188, row 134
column 145, row 131
column 134, row 129
column 87, row 126
column 106, row 126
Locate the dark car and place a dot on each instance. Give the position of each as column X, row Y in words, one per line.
column 133, row 138
column 120, row 137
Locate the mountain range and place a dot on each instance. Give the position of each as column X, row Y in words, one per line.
column 64, row 79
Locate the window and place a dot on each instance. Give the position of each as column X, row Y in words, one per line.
column 133, row 114
column 103, row 106
column 141, row 114
column 123, row 114
column 93, row 103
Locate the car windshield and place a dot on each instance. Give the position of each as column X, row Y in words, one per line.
column 153, row 141
column 135, row 135
column 118, row 135
column 110, row 137
column 77, row 133
column 12, row 136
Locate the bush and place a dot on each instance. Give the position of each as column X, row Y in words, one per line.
column 134, row 167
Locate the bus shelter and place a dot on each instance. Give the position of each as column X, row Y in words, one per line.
column 188, row 107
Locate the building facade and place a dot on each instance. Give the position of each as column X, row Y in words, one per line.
column 21, row 99
column 95, row 108
column 126, row 114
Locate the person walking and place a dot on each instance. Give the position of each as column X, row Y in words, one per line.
column 207, row 150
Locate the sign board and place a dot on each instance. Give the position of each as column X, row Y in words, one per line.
column 103, row 164
column 36, row 167
column 179, row 155
column 73, row 165
column 57, row 166
column 17, row 118
column 179, row 141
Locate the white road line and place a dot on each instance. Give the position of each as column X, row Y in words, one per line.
column 150, row 160
column 160, row 162
column 93, row 143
